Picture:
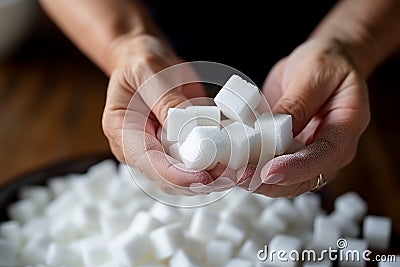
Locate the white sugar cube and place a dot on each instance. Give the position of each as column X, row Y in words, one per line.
column 309, row 205
column 95, row 255
column 40, row 195
column 276, row 133
column 85, row 218
column 271, row 221
column 348, row 227
column 203, row 224
column 64, row 203
column 238, row 99
column 179, row 124
column 245, row 144
column 167, row 240
column 377, row 231
column 174, row 151
column 218, row 253
column 231, row 231
column 323, row 239
column 62, row 255
column 181, row 259
column 249, row 250
column 129, row 248
column 10, row 231
column 284, row 243
column 57, row 186
column 205, row 115
column 8, row 254
column 63, row 231
column 203, row 147
column 353, row 253
column 351, row 205
column 113, row 222
column 165, row 214
column 34, row 227
column 35, row 250
column 144, row 223
column 285, row 209
column 194, row 248
column 238, row 262
column 22, row 210
column 244, row 205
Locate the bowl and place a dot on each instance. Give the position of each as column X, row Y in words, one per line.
column 9, row 192
column 16, row 19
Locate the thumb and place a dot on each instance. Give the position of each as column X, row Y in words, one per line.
column 303, row 92
column 168, row 88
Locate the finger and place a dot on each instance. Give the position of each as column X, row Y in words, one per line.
column 162, row 87
column 307, row 82
column 145, row 152
column 335, row 141
column 292, row 190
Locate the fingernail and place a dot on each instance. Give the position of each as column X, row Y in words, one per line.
column 273, row 178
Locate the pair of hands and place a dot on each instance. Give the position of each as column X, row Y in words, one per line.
column 317, row 84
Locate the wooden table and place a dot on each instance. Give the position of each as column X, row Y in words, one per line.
column 51, row 102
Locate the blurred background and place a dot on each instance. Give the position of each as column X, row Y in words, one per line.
column 52, row 97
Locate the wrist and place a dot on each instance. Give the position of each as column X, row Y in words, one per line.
column 129, row 47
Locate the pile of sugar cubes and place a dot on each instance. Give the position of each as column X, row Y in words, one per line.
column 102, row 218
column 198, row 137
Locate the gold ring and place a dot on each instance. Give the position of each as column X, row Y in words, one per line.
column 320, row 183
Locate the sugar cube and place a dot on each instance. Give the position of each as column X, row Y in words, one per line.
column 323, row 239
column 181, row 259
column 129, row 248
column 284, row 243
column 276, row 133
column 205, row 115
column 238, row 262
column 8, row 254
column 167, row 240
column 203, row 224
column 203, row 147
column 22, row 210
column 218, row 253
column 238, row 99
column 11, row 232
column 62, row 255
column 377, row 231
column 244, row 141
column 352, row 253
column 179, row 124
column 351, row 205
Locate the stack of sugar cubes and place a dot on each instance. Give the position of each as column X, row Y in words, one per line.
column 199, row 138
column 103, row 219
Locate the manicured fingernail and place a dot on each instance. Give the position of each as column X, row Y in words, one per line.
column 273, row 178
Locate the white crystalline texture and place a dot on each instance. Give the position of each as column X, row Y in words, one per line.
column 276, row 133
column 121, row 226
column 203, row 147
column 238, row 100
column 8, row 255
column 205, row 115
column 351, row 205
column 244, row 143
column 377, row 231
column 179, row 124
column 62, row 255
column 167, row 240
column 129, row 248
column 323, row 238
column 218, row 253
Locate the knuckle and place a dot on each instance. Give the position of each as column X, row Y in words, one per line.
column 297, row 107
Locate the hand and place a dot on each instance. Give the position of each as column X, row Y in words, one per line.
column 134, row 141
column 319, row 86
